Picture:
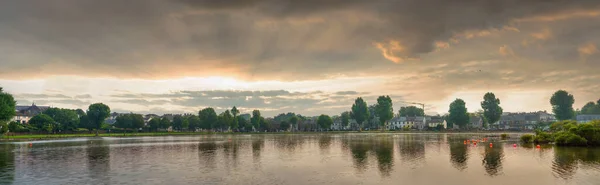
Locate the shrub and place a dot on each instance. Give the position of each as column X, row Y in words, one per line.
column 543, row 137
column 527, row 138
column 589, row 132
column 569, row 139
column 562, row 125
column 503, row 136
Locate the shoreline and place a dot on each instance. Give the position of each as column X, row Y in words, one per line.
column 37, row 137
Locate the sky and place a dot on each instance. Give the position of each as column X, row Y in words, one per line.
column 306, row 56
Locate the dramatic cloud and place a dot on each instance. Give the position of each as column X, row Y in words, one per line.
column 296, row 55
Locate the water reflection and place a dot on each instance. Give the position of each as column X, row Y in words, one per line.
column 207, row 153
column 7, row 164
column 98, row 156
column 384, row 151
column 458, row 153
column 257, row 146
column 492, row 159
column 567, row 159
column 324, row 142
column 359, row 151
column 411, row 150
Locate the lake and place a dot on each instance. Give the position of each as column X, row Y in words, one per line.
column 353, row 158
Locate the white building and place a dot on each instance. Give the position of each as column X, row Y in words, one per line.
column 587, row 118
column 25, row 113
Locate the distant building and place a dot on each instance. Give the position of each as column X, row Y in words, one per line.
column 437, row 120
column 476, row 121
column 418, row 122
column 25, row 113
column 587, row 118
column 522, row 120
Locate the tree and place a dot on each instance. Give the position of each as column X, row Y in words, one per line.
column 178, row 122
column 244, row 123
column 284, row 125
column 7, row 106
column 235, row 111
column 165, row 123
column 208, row 118
column 411, row 111
column 562, row 105
column 256, row 119
column 360, row 111
column 293, row 121
column 15, row 127
column 154, row 123
column 194, row 122
column 384, row 109
column 66, row 119
column 591, row 108
column 42, row 122
column 458, row 113
column 491, row 108
column 224, row 120
column 345, row 118
column 235, row 125
column 324, row 121
column 124, row 121
column 137, row 121
column 97, row 113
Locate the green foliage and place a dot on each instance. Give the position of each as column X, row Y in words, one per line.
column 97, row 113
column 591, row 108
column 193, row 122
column 345, row 118
column 15, row 127
column 3, row 128
column 129, row 121
column 178, row 122
column 458, row 114
column 360, row 111
column 256, row 119
column 384, row 109
column 7, row 106
column 294, row 121
column 562, row 125
column 503, row 136
column 284, row 125
column 208, row 118
column 569, row 139
column 491, row 108
column 589, row 132
column 411, row 111
column 154, row 124
column 66, row 119
column 527, row 138
column 235, row 111
column 543, row 138
column 84, row 122
column 562, row 105
column 42, row 122
column 324, row 121
column 165, row 123
column 243, row 123
column 225, row 120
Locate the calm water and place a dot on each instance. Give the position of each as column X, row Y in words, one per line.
column 295, row 159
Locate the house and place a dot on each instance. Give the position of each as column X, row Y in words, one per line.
column 584, row 118
column 418, row 122
column 475, row 121
column 25, row 113
column 522, row 120
column 437, row 120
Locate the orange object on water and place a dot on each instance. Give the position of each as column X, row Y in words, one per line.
column 538, row 146
column 491, row 145
column 514, row 145
column 465, row 142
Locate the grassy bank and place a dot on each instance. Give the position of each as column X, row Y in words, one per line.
column 32, row 137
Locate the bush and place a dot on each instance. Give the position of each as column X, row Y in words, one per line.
column 589, row 132
column 503, row 136
column 569, row 139
column 527, row 138
column 543, row 137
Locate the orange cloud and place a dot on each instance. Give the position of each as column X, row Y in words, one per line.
column 390, row 49
column 587, row 50
column 442, row 45
column 561, row 16
column 542, row 35
column 506, row 51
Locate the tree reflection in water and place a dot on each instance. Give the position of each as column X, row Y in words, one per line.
column 7, row 164
column 567, row 160
column 325, row 142
column 492, row 159
column 458, row 153
column 98, row 155
column 381, row 148
column 257, row 146
column 411, row 150
column 384, row 150
column 207, row 152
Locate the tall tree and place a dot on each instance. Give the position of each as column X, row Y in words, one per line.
column 165, row 123
column 284, row 125
column 345, row 118
column 243, row 123
column 7, row 110
column 66, row 119
column 360, row 111
column 590, row 108
column 411, row 111
column 154, row 123
column 491, row 108
column 42, row 122
column 97, row 113
column 324, row 121
column 178, row 122
column 194, row 122
column 208, row 118
column 225, row 120
column 562, row 105
column 235, row 111
column 234, row 124
column 294, row 122
column 458, row 113
column 124, row 121
column 384, row 110
column 256, row 119
column 137, row 121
